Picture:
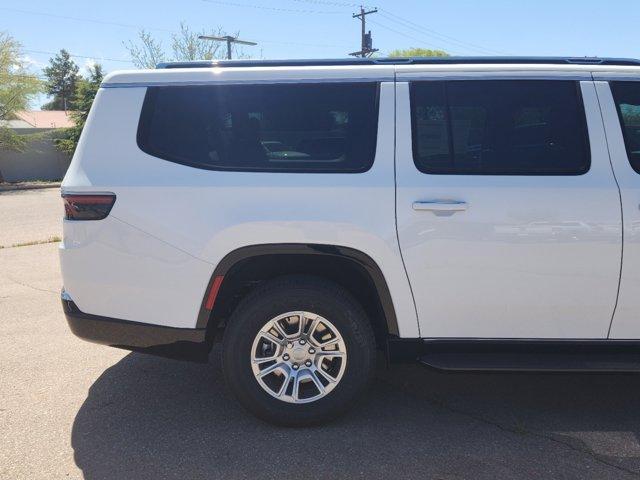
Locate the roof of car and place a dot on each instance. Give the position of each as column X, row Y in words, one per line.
column 374, row 69
column 405, row 61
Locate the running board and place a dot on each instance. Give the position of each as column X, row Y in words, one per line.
column 518, row 355
column 533, row 362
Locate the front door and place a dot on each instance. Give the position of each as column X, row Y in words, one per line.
column 508, row 213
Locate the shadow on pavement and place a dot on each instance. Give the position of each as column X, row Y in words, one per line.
column 152, row 418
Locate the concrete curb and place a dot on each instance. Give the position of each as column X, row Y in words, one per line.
column 27, row 186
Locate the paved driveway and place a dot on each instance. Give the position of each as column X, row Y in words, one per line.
column 69, row 409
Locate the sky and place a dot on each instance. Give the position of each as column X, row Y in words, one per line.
column 95, row 31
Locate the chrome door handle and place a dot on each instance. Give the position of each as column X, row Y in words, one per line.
column 441, row 206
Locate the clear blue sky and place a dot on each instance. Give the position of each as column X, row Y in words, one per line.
column 324, row 28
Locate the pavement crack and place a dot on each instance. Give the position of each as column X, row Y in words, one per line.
column 518, row 430
column 18, row 282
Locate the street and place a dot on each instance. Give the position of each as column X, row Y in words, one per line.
column 70, row 409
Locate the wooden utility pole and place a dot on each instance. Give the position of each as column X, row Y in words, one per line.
column 366, row 44
column 229, row 39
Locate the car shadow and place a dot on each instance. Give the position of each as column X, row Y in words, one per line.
column 150, row 418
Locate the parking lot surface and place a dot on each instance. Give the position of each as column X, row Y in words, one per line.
column 70, row 409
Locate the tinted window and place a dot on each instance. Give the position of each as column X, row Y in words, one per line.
column 485, row 127
column 627, row 98
column 293, row 128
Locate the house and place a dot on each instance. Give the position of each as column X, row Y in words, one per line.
column 40, row 160
column 41, row 119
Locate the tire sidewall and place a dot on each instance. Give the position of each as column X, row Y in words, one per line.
column 335, row 306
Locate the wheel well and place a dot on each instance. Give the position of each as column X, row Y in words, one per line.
column 359, row 278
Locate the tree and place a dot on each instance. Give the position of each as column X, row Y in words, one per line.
column 418, row 52
column 17, row 87
column 62, row 76
column 86, row 90
column 147, row 51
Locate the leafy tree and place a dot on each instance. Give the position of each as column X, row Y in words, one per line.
column 62, row 76
column 148, row 51
column 86, row 91
column 418, row 52
column 17, row 87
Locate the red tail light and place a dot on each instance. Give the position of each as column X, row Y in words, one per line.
column 87, row 206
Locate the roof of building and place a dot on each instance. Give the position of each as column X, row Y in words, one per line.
column 44, row 118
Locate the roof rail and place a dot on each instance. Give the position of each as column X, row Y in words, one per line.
column 403, row 61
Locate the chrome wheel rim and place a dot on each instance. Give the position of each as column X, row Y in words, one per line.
column 298, row 357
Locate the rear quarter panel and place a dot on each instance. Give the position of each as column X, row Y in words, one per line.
column 151, row 260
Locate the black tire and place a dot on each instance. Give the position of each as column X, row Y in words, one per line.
column 283, row 295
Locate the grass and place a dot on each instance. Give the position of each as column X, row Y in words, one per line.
column 54, row 239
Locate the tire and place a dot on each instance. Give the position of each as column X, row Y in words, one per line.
column 333, row 307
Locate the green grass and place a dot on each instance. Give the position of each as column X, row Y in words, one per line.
column 53, row 239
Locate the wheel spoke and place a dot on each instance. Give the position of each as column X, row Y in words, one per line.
column 329, row 378
column 296, row 388
column 279, row 328
column 261, row 360
column 301, row 320
column 271, row 338
column 330, row 353
column 330, row 342
column 269, row 369
column 285, row 384
column 317, row 383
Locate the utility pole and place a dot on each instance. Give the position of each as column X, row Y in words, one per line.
column 366, row 44
column 227, row 38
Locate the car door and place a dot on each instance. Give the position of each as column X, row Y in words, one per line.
column 508, row 213
column 619, row 96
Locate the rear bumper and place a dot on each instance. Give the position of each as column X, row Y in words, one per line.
column 178, row 343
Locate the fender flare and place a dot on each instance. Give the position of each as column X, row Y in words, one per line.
column 357, row 256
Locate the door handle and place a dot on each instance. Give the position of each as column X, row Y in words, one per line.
column 441, row 206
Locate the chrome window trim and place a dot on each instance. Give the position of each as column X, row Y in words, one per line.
column 617, row 76
column 247, row 82
column 492, row 75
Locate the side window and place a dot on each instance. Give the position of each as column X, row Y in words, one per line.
column 501, row 127
column 326, row 128
column 627, row 98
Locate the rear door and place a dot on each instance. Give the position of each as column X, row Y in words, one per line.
column 508, row 213
column 620, row 101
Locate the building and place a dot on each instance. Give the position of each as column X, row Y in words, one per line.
column 40, row 160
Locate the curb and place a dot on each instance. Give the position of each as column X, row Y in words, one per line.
column 28, row 186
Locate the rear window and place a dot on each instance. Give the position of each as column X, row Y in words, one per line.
column 326, row 128
column 627, row 98
column 501, row 127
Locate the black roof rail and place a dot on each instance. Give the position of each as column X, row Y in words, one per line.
column 404, row 61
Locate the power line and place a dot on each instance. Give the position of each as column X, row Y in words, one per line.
column 273, row 9
column 408, row 24
column 419, row 40
column 141, row 27
column 433, row 33
column 91, row 57
column 333, row 4
column 83, row 19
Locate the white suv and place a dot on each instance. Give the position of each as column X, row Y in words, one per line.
column 467, row 213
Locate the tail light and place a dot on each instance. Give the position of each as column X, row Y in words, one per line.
column 87, row 206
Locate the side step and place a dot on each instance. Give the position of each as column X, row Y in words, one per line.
column 519, row 355
column 533, row 362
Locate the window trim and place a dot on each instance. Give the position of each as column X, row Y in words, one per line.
column 623, row 128
column 414, row 137
column 147, row 111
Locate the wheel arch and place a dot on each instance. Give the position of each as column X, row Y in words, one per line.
column 286, row 258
